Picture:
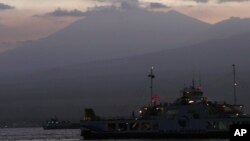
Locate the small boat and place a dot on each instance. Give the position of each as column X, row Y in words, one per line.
column 54, row 123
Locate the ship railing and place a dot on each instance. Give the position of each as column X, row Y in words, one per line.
column 117, row 118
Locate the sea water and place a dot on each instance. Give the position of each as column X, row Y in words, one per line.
column 38, row 134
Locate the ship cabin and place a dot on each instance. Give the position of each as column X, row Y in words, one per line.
column 192, row 103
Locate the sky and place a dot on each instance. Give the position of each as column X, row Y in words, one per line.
column 22, row 20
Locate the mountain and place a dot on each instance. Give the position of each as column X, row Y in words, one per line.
column 119, row 86
column 227, row 28
column 105, row 34
column 5, row 46
column 113, row 33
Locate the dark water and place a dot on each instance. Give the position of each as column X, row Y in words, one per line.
column 38, row 134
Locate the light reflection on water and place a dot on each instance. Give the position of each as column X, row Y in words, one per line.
column 38, row 134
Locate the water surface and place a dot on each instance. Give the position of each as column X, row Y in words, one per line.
column 38, row 134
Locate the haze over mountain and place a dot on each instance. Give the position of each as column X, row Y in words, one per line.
column 120, row 85
column 116, row 33
column 106, row 34
column 227, row 28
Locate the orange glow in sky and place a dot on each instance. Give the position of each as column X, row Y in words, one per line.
column 20, row 24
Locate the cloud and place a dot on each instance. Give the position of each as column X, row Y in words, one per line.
column 156, row 5
column 201, row 1
column 115, row 5
column 198, row 1
column 130, row 4
column 5, row 7
column 124, row 4
column 219, row 1
column 116, row 1
column 222, row 1
column 62, row 12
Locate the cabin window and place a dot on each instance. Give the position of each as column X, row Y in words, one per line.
column 245, row 122
column 146, row 126
column 155, row 126
column 111, row 126
column 134, row 126
column 230, row 123
column 210, row 125
column 172, row 113
column 222, row 125
column 196, row 115
column 123, row 126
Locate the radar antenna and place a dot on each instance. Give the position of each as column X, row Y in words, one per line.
column 234, row 84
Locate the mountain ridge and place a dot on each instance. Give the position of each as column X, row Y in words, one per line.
column 105, row 36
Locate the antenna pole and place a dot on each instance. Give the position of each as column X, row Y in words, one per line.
column 200, row 80
column 193, row 83
column 193, row 80
column 152, row 76
column 234, row 84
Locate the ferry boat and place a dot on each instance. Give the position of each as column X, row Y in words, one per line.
column 192, row 116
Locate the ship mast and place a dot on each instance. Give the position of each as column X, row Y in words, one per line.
column 234, row 84
column 193, row 84
column 151, row 76
column 200, row 85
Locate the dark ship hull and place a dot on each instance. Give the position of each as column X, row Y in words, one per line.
column 156, row 135
column 175, row 128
